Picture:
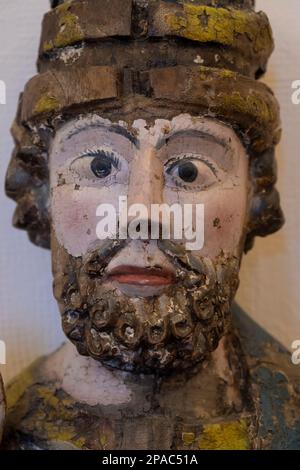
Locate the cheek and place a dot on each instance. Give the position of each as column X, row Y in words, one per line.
column 225, row 212
column 74, row 215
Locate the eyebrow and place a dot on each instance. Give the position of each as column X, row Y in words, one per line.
column 192, row 132
column 115, row 128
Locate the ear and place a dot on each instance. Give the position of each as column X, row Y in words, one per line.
column 266, row 216
column 2, row 408
column 27, row 183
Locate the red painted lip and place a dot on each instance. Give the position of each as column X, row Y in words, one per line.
column 135, row 275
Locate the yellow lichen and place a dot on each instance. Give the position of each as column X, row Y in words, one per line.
column 46, row 104
column 103, row 441
column 225, row 436
column 188, row 438
column 64, row 7
column 18, row 387
column 225, row 73
column 55, row 417
column 47, row 46
column 58, row 433
column 59, row 407
column 69, row 28
column 42, row 412
column 252, row 105
column 70, row 31
column 208, row 24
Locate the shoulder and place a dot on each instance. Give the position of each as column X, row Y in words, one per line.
column 53, row 403
column 40, row 415
column 276, row 384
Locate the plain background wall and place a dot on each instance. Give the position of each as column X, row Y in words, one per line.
column 270, row 290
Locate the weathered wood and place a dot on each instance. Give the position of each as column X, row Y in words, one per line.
column 246, row 104
column 141, row 55
column 54, row 92
column 176, row 384
column 251, row 105
column 246, row 396
column 202, row 23
column 85, row 20
column 240, row 38
column 224, row 3
column 2, row 408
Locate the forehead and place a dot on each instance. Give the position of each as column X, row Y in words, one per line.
column 142, row 132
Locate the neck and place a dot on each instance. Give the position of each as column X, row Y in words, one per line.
column 217, row 383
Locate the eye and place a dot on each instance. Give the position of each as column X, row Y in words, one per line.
column 100, row 165
column 187, row 171
column 192, row 172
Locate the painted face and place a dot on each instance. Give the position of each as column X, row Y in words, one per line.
column 137, row 302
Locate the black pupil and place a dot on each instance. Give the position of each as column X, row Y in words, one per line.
column 187, row 172
column 101, row 166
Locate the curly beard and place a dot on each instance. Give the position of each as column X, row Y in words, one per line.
column 173, row 331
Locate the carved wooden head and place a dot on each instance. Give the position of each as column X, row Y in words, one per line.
column 156, row 103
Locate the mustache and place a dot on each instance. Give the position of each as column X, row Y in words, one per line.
column 97, row 259
column 190, row 270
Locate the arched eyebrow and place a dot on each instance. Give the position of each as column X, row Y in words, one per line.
column 115, row 128
column 192, row 132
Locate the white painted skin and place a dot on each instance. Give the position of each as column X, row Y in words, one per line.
column 141, row 174
column 88, row 381
column 85, row 379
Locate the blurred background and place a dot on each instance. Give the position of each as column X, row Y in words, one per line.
column 270, row 277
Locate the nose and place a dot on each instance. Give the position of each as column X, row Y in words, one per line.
column 146, row 179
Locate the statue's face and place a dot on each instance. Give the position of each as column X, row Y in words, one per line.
column 150, row 303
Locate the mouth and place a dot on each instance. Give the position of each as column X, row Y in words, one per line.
column 142, row 276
